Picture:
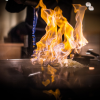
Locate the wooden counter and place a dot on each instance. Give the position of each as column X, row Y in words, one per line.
column 10, row 50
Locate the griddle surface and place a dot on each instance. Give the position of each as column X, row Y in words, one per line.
column 80, row 83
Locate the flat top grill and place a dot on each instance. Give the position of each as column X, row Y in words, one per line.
column 14, row 73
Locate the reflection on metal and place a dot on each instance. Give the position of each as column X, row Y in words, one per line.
column 88, row 4
column 56, row 93
column 90, row 49
column 45, row 83
column 87, row 53
column 91, row 68
column 34, row 74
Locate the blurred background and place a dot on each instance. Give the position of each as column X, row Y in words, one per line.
column 91, row 24
column 9, row 20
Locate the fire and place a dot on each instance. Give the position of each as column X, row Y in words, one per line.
column 52, row 72
column 56, row 93
column 52, row 47
column 45, row 83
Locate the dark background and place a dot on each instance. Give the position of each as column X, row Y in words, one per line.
column 91, row 23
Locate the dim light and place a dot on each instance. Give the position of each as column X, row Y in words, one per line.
column 88, row 4
column 91, row 8
column 91, row 68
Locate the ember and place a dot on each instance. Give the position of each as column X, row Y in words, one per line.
column 52, row 48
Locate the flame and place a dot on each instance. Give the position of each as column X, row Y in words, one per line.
column 45, row 83
column 52, row 72
column 56, row 93
column 51, row 46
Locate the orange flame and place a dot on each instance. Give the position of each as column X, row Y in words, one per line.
column 52, row 47
column 56, row 93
